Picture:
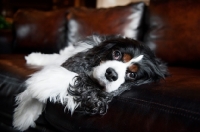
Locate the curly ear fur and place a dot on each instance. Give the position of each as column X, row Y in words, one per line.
column 86, row 60
column 91, row 98
column 151, row 68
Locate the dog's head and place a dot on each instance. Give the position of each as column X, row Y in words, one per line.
column 113, row 61
column 125, row 60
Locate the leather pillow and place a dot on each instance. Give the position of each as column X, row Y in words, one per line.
column 39, row 30
column 122, row 20
column 174, row 31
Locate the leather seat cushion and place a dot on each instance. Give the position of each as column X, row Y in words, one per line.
column 171, row 105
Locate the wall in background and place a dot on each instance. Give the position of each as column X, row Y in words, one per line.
column 111, row 3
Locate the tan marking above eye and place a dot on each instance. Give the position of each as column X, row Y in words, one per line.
column 133, row 68
column 127, row 58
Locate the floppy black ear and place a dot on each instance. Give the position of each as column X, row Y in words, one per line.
column 151, row 69
column 160, row 70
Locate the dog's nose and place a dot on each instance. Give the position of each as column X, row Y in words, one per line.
column 111, row 74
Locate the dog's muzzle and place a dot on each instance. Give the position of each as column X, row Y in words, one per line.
column 111, row 74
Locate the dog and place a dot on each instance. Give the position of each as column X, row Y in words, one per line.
column 85, row 76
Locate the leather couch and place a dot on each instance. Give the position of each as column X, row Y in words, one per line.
column 170, row 28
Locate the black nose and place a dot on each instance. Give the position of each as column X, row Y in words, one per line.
column 111, row 74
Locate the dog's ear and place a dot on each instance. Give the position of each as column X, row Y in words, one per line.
column 160, row 70
column 151, row 70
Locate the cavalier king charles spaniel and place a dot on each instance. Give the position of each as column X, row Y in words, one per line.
column 85, row 76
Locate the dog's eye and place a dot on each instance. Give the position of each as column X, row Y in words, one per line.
column 131, row 75
column 116, row 55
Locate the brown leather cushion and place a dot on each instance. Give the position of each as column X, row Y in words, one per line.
column 174, row 31
column 39, row 30
column 121, row 20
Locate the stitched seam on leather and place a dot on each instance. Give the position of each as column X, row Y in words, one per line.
column 171, row 109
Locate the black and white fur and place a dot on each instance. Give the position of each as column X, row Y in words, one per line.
column 85, row 76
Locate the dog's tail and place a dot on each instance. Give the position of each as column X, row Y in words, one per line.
column 27, row 111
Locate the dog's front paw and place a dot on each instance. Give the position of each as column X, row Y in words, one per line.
column 34, row 59
column 39, row 59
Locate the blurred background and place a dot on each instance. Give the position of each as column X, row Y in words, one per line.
column 9, row 7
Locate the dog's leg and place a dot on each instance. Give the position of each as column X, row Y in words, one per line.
column 27, row 112
column 51, row 83
column 40, row 59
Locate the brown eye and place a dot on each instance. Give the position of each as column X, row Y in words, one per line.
column 131, row 75
column 116, row 55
